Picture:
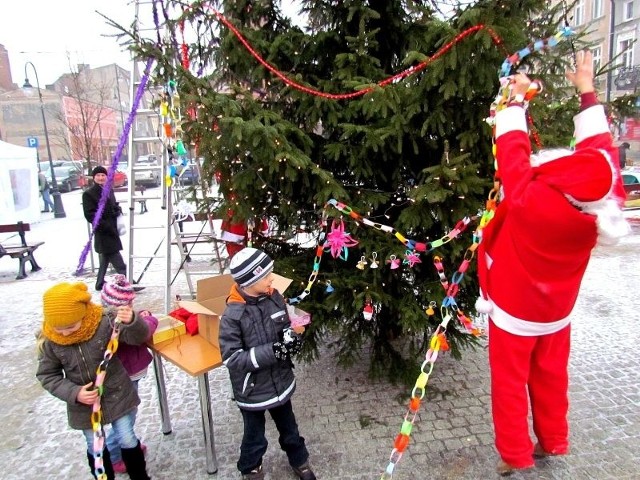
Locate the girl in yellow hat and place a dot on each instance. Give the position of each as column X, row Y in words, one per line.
column 74, row 336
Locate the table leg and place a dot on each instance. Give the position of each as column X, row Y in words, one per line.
column 207, row 423
column 162, row 394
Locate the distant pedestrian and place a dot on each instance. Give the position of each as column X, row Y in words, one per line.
column 622, row 154
column 45, row 191
column 557, row 205
column 116, row 292
column 106, row 237
column 257, row 343
column 71, row 345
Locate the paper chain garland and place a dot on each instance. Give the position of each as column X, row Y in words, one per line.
column 438, row 339
column 96, row 410
column 171, row 118
column 514, row 60
column 325, row 244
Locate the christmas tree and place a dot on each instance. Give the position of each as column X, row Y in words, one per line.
column 289, row 133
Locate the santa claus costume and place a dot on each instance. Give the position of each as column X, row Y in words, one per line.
column 556, row 207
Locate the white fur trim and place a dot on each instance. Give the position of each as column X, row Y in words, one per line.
column 548, row 155
column 231, row 237
column 510, row 119
column 590, row 122
column 525, row 328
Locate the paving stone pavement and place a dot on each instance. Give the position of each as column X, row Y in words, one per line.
column 348, row 420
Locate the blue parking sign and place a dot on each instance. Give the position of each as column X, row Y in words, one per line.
column 32, row 142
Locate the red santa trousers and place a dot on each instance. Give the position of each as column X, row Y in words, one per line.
column 529, row 369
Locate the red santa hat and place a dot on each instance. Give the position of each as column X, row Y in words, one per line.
column 588, row 180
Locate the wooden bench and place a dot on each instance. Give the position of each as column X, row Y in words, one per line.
column 23, row 252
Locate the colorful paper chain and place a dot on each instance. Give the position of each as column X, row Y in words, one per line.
column 514, row 60
column 410, row 244
column 171, row 118
column 438, row 340
column 96, row 411
column 502, row 98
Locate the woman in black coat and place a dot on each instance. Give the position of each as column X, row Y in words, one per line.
column 106, row 238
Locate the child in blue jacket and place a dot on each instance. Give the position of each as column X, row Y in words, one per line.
column 257, row 342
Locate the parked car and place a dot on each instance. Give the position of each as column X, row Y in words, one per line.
column 67, row 178
column 147, row 171
column 120, row 178
column 189, row 175
column 631, row 183
column 74, row 165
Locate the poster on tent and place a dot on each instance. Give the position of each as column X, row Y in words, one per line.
column 19, row 193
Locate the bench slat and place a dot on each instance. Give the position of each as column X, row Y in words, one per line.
column 15, row 227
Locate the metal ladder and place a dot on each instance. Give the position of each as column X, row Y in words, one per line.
column 145, row 139
column 195, row 242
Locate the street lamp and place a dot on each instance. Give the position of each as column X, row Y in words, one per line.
column 58, row 208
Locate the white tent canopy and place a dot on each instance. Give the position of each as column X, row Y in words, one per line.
column 19, row 192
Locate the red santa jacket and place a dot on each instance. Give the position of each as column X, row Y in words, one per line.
column 534, row 252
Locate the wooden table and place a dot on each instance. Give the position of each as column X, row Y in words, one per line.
column 196, row 356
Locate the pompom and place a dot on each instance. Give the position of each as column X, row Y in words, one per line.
column 483, row 305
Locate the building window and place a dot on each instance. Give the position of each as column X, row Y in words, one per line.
column 597, row 9
column 625, row 50
column 597, row 58
column 578, row 13
column 627, row 11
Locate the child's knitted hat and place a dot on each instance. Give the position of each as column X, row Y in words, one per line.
column 65, row 304
column 250, row 265
column 117, row 292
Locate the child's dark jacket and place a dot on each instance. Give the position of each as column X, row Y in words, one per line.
column 249, row 326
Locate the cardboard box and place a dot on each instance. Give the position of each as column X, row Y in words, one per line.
column 168, row 329
column 210, row 302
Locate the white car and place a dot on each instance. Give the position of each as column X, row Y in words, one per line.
column 147, row 171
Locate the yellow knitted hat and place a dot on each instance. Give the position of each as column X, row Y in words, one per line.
column 65, row 304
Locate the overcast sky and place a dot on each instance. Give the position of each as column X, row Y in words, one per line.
column 50, row 32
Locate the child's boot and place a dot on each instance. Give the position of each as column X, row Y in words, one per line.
column 304, row 472
column 136, row 465
column 106, row 462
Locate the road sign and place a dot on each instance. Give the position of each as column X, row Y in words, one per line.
column 32, row 142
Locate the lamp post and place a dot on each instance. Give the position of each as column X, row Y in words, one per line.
column 58, row 208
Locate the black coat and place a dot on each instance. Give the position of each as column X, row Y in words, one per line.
column 106, row 238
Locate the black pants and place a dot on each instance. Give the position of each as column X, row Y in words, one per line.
column 105, row 259
column 254, row 442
